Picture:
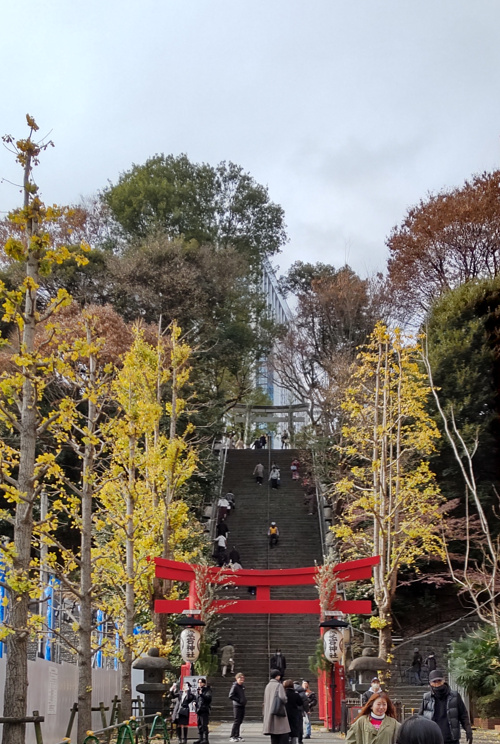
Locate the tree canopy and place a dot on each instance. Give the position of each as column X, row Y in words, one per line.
column 221, row 205
column 444, row 241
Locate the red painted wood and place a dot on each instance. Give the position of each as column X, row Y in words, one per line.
column 263, row 593
column 351, row 571
column 270, row 606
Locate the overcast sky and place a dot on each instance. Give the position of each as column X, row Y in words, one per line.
column 348, row 111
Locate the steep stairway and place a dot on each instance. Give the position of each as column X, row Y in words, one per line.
column 256, row 637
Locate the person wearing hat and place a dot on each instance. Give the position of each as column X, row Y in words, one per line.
column 273, row 534
column 446, row 708
column 375, row 686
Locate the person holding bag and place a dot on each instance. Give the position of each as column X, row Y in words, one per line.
column 275, row 719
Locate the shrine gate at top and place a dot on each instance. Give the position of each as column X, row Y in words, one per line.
column 263, row 581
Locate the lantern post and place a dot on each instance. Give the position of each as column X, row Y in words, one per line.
column 333, row 646
column 190, row 637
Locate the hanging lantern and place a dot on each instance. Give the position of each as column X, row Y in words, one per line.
column 333, row 644
column 190, row 644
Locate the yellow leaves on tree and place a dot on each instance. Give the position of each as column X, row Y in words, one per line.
column 388, row 495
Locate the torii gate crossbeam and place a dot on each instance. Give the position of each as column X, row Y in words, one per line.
column 263, row 581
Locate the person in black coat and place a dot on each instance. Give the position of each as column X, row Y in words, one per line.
column 278, row 661
column 446, row 708
column 180, row 715
column 238, row 696
column 203, row 705
column 294, row 711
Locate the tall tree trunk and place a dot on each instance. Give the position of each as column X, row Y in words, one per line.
column 126, row 691
column 16, row 679
column 85, row 623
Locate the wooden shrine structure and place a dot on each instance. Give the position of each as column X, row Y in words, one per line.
column 262, row 603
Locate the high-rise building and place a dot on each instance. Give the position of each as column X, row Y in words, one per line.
column 279, row 311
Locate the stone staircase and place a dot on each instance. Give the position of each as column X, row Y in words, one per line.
column 256, row 637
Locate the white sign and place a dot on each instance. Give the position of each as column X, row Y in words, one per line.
column 52, row 692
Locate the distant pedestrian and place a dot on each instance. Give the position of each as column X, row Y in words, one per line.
column 419, row 730
column 263, row 441
column 416, row 667
column 275, row 725
column 274, row 476
column 375, row 686
column 238, row 696
column 256, row 445
column 234, row 556
column 227, row 659
column 278, row 661
column 223, row 506
column 273, row 534
column 203, row 705
column 258, row 472
column 431, row 662
column 220, row 543
column 445, row 707
column 231, row 500
column 312, row 702
column 284, row 440
column 240, row 444
column 294, row 467
column 294, row 710
column 222, row 529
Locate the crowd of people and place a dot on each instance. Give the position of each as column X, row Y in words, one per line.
column 288, row 704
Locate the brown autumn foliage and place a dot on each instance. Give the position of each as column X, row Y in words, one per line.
column 115, row 334
column 444, row 241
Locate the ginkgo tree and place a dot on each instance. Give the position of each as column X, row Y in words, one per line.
column 25, row 463
column 388, row 498
column 147, row 467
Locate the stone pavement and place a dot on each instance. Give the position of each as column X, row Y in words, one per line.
column 252, row 734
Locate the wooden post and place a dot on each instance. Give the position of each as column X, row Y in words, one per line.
column 74, row 711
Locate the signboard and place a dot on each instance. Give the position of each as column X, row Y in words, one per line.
column 52, row 692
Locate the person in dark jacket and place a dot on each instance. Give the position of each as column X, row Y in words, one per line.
column 239, row 698
column 180, row 715
column 431, row 662
column 305, row 706
column 294, row 711
column 375, row 686
column 446, row 708
column 278, row 661
column 203, row 705
column 416, row 667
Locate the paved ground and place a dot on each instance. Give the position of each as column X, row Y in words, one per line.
column 252, row 734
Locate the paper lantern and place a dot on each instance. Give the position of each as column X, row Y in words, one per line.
column 333, row 644
column 190, row 644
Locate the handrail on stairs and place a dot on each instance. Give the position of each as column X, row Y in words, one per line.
column 222, row 469
column 320, row 502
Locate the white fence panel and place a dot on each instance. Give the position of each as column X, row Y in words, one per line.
column 52, row 690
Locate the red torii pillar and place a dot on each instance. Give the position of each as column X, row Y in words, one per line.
column 263, row 604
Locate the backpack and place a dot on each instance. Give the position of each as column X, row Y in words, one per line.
column 273, row 530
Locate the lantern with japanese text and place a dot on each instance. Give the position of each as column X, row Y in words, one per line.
column 190, row 644
column 333, row 644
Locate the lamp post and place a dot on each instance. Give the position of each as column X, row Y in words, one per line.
column 333, row 645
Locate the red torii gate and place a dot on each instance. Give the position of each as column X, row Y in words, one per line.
column 263, row 604
column 263, row 581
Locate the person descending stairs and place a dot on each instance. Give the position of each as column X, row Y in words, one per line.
column 257, row 637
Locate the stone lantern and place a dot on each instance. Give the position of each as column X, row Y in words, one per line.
column 153, row 687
